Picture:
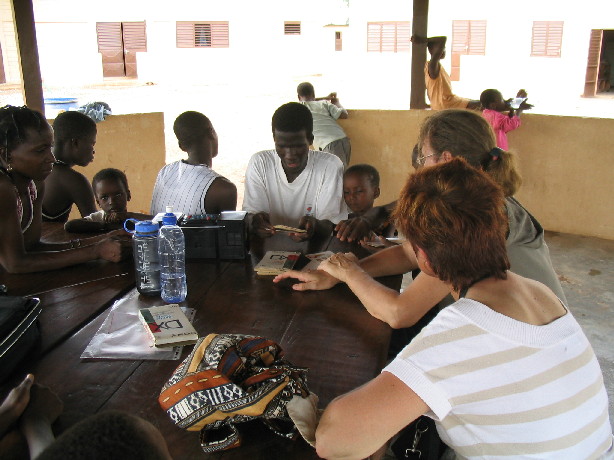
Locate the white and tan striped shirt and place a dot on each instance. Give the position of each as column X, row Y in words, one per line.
column 500, row 388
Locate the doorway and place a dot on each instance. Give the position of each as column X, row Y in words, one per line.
column 599, row 74
column 118, row 43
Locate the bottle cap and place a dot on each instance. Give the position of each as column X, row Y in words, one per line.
column 146, row 227
column 169, row 218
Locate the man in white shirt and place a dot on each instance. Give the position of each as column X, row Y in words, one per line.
column 293, row 185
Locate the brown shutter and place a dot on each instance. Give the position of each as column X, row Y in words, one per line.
column 109, row 36
column 135, row 38
column 391, row 37
column 477, row 37
column 374, row 37
column 212, row 34
column 292, row 28
column 403, row 41
column 2, row 74
column 547, row 38
column 469, row 37
column 455, row 69
column 592, row 67
column 460, row 37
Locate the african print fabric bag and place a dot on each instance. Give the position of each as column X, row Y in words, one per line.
column 229, row 379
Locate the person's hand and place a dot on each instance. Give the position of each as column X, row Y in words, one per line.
column 308, row 223
column 261, row 225
column 525, row 106
column 521, row 93
column 340, row 266
column 113, row 249
column 355, row 229
column 119, row 234
column 376, row 243
column 115, row 217
column 310, row 280
column 418, row 39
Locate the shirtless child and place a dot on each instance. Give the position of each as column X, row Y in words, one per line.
column 74, row 140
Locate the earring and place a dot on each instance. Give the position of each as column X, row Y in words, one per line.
column 9, row 168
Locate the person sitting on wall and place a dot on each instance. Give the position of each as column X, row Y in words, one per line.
column 191, row 186
column 112, row 195
column 292, row 185
column 505, row 371
column 74, row 139
column 328, row 136
column 437, row 80
column 25, row 161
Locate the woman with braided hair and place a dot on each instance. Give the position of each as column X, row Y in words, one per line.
column 25, row 161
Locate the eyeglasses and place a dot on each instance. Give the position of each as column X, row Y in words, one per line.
column 421, row 160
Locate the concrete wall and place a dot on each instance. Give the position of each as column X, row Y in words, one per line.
column 565, row 163
column 134, row 144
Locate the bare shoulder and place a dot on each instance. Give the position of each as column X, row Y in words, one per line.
column 221, row 196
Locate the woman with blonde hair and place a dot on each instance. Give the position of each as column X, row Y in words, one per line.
column 505, row 371
column 443, row 136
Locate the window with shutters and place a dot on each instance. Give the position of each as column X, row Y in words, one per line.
column 469, row 37
column 392, row 37
column 212, row 34
column 292, row 28
column 547, row 38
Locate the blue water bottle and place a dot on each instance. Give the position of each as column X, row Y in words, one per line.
column 171, row 251
column 145, row 250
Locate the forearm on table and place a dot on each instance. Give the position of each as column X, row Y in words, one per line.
column 29, row 262
column 389, row 261
column 72, row 244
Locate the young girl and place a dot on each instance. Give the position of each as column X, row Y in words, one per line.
column 25, row 161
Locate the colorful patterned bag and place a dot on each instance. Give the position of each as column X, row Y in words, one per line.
column 228, row 379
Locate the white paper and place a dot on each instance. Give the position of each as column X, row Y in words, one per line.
column 123, row 336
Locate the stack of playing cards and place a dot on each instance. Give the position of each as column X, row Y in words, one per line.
column 276, row 262
column 285, row 228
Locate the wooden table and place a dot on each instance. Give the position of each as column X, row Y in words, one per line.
column 329, row 332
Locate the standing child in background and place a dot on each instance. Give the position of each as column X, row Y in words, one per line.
column 112, row 195
column 74, row 139
column 328, row 135
column 495, row 109
column 360, row 189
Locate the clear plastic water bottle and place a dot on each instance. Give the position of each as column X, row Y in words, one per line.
column 146, row 261
column 171, row 250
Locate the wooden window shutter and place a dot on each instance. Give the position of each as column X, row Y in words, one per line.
column 292, row 28
column 388, row 37
column 469, row 37
column 477, row 37
column 547, row 38
column 109, row 36
column 592, row 67
column 213, row 34
column 135, row 38
column 374, row 41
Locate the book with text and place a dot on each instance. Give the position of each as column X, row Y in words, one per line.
column 168, row 326
column 276, row 262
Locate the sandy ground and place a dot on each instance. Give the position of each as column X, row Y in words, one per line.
column 242, row 120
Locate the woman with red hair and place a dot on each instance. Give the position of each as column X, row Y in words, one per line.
column 505, row 371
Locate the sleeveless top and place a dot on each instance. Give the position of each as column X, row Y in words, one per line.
column 32, row 194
